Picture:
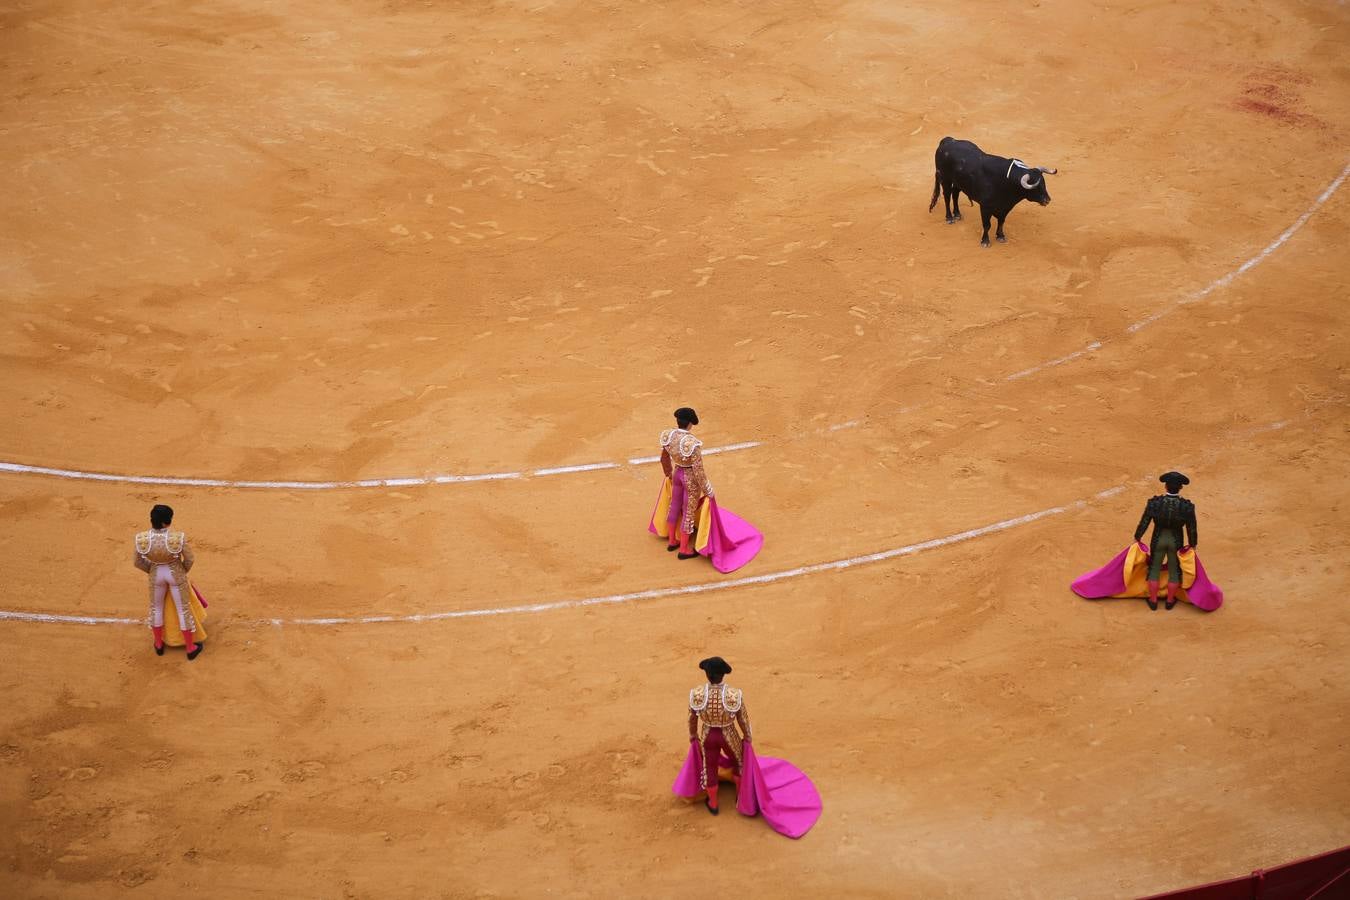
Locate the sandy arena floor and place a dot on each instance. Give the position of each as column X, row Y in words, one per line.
column 314, row 241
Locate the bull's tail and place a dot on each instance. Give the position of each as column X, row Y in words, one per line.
column 937, row 189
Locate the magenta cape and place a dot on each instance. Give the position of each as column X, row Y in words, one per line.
column 727, row 539
column 772, row 787
column 1125, row 576
column 732, row 541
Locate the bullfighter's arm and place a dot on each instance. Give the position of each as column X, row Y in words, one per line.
column 1143, row 523
column 701, row 477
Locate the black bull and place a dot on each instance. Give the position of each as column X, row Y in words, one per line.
column 996, row 183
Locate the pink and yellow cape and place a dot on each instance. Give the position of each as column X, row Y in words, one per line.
column 1127, row 576
column 719, row 534
column 773, row 788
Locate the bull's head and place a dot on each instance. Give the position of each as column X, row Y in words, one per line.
column 1033, row 185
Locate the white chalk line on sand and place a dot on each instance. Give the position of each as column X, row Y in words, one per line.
column 1217, row 284
column 1095, row 345
column 1252, row 263
column 652, row 593
column 416, row 481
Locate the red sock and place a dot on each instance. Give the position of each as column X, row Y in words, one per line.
column 158, row 631
column 191, row 644
column 712, row 795
column 684, row 548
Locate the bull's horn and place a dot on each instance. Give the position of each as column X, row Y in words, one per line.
column 1047, row 171
column 1028, row 183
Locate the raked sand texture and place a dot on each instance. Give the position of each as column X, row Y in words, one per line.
column 411, row 244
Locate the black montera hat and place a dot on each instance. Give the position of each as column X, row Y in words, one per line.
column 1171, row 478
column 715, row 666
column 686, row 414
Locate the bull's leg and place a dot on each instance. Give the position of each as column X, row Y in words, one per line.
column 998, row 235
column 956, row 204
column 947, row 200
column 984, row 218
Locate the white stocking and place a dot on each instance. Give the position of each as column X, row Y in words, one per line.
column 165, row 584
column 157, row 592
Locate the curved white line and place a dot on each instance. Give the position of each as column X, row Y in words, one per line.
column 1194, row 297
column 654, row 593
column 1251, row 263
column 67, row 620
column 706, row 587
column 1095, row 345
column 651, row 594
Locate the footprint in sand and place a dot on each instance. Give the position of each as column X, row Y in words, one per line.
column 81, row 773
column 254, row 805
column 521, row 781
column 134, row 877
column 305, row 770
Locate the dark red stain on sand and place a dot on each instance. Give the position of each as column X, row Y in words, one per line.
column 1273, row 92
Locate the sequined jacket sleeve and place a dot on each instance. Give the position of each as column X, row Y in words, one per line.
column 696, row 469
column 1192, row 531
column 1143, row 522
column 139, row 561
column 743, row 720
column 665, row 461
column 186, row 556
column 697, row 700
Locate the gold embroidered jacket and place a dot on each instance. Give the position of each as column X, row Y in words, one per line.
column 681, row 449
column 164, row 548
column 719, row 706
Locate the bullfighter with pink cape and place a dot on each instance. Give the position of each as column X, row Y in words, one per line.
column 719, row 739
column 687, row 514
column 1137, row 570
